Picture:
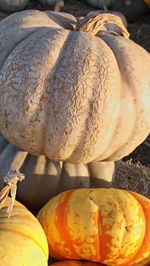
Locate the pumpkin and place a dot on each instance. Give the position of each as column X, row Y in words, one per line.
column 22, row 238
column 49, row 103
column 12, row 6
column 101, row 3
column 133, row 10
column 74, row 263
column 45, row 178
column 57, row 4
column 48, row 2
column 109, row 226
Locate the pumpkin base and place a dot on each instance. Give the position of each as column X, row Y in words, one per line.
column 103, row 173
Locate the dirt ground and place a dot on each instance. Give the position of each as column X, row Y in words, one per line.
column 133, row 172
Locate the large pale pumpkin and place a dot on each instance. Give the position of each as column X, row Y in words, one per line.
column 74, row 263
column 12, row 6
column 70, row 95
column 22, row 239
column 46, row 178
column 109, row 226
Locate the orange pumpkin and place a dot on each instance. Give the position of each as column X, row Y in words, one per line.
column 74, row 263
column 109, row 226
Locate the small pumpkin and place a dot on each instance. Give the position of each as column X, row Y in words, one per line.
column 101, row 3
column 49, row 103
column 147, row 2
column 109, row 226
column 48, row 2
column 22, row 239
column 132, row 10
column 74, row 263
column 56, row 4
column 45, row 178
column 9, row 6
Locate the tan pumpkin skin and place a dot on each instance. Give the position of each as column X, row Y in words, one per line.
column 45, row 178
column 109, row 226
column 22, row 240
column 67, row 100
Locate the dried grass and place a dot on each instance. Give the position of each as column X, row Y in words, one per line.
column 134, row 177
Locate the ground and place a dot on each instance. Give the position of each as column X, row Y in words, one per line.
column 133, row 172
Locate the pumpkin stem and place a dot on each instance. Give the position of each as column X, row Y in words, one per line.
column 96, row 24
column 10, row 185
column 58, row 6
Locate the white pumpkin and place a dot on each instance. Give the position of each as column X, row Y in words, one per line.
column 69, row 95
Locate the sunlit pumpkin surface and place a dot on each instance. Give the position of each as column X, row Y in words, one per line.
column 74, row 263
column 22, row 240
column 103, row 225
column 70, row 95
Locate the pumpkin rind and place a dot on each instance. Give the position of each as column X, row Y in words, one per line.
column 48, row 2
column 45, row 178
column 51, row 105
column 22, row 239
column 74, row 263
column 12, row 6
column 109, row 226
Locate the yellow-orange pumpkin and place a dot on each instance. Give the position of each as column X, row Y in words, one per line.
column 22, row 239
column 109, row 226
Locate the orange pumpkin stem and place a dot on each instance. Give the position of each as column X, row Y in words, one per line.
column 96, row 24
column 10, row 185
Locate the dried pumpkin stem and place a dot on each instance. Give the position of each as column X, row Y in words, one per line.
column 95, row 24
column 10, row 185
column 58, row 6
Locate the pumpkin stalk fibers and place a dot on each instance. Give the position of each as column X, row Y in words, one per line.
column 10, row 185
column 97, row 23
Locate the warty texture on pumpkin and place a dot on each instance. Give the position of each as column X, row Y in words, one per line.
column 70, row 95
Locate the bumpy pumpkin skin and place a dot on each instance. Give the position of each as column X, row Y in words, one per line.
column 9, row 6
column 74, row 263
column 109, row 226
column 22, row 239
column 46, row 178
column 101, row 3
column 69, row 101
